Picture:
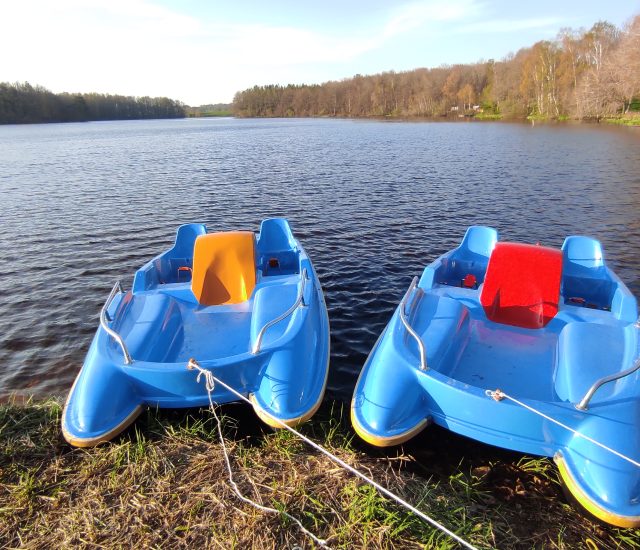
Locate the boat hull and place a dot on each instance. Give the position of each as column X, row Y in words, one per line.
column 283, row 371
column 545, row 370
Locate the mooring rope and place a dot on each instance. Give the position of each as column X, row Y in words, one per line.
column 498, row 395
column 212, row 380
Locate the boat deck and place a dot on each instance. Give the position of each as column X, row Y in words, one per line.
column 211, row 333
column 507, row 358
column 167, row 325
column 524, row 361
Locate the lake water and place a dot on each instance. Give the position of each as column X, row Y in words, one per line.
column 372, row 202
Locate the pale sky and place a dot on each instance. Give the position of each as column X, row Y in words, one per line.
column 202, row 52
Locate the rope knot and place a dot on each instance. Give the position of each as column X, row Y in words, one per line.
column 210, row 381
column 496, row 395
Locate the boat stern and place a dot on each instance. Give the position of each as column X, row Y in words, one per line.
column 101, row 404
column 605, row 481
column 388, row 406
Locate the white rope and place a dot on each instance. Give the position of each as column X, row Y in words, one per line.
column 210, row 385
column 209, row 375
column 498, row 395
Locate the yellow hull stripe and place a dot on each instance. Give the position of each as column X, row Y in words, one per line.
column 291, row 422
column 588, row 504
column 93, row 441
column 382, row 441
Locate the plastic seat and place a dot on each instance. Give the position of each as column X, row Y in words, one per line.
column 585, row 278
column 276, row 248
column 224, row 270
column 186, row 238
column 470, row 259
column 582, row 251
column 275, row 236
column 522, row 285
column 479, row 240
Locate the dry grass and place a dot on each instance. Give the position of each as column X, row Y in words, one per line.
column 163, row 484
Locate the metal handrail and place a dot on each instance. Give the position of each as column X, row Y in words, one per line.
column 105, row 318
column 605, row 380
column 299, row 300
column 405, row 322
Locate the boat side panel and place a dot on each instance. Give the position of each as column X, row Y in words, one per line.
column 292, row 383
column 388, row 405
column 270, row 302
column 152, row 326
column 587, row 351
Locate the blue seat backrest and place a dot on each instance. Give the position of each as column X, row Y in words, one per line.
column 276, row 248
column 478, row 240
column 470, row 258
column 582, row 251
column 165, row 267
column 186, row 238
column 585, row 277
column 181, row 255
column 275, row 236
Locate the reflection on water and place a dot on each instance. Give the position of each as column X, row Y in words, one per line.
column 373, row 202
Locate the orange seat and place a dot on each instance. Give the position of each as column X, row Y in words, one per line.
column 224, row 269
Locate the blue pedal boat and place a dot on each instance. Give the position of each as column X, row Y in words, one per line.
column 555, row 331
column 248, row 308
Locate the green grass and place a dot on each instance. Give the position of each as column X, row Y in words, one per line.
column 539, row 118
column 628, row 120
column 487, row 116
column 164, row 484
column 206, row 114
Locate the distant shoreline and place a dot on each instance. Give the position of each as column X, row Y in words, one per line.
column 630, row 120
column 621, row 121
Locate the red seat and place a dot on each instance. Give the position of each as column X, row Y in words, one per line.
column 522, row 285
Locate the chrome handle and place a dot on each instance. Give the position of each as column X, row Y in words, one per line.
column 105, row 318
column 405, row 322
column 584, row 402
column 299, row 300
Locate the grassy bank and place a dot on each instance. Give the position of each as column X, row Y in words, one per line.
column 487, row 116
column 164, row 484
column 210, row 114
column 628, row 120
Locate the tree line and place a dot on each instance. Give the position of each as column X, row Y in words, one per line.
column 23, row 103
column 585, row 74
